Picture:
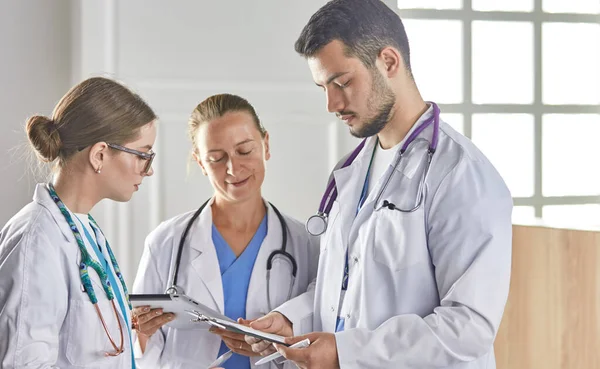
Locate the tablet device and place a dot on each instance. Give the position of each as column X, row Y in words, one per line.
column 185, row 308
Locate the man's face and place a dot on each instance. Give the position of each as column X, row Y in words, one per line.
column 356, row 94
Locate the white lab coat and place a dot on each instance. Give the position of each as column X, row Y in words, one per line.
column 200, row 278
column 426, row 289
column 46, row 319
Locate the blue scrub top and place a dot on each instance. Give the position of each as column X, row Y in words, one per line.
column 235, row 276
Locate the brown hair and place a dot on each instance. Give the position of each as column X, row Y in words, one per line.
column 215, row 107
column 96, row 110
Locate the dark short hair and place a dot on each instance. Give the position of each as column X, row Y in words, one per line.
column 364, row 26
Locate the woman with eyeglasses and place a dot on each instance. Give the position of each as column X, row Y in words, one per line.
column 63, row 301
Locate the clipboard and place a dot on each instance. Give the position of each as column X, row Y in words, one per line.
column 189, row 312
column 242, row 329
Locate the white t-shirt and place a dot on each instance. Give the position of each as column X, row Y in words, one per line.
column 382, row 159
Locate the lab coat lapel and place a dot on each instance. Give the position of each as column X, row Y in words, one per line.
column 42, row 197
column 256, row 304
column 349, row 183
column 203, row 257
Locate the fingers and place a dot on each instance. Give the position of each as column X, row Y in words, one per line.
column 159, row 321
column 140, row 310
column 297, row 355
column 245, row 322
column 292, row 340
column 227, row 334
column 146, row 317
column 261, row 347
column 239, row 347
column 151, row 321
column 263, row 323
column 273, row 322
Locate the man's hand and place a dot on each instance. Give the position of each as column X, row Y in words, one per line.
column 273, row 322
column 322, row 352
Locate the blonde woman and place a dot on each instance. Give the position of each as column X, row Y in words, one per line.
column 233, row 240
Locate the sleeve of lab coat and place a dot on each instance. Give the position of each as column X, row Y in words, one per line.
column 470, row 236
column 300, row 310
column 33, row 302
column 149, row 280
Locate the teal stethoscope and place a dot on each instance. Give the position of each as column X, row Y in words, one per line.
column 87, row 262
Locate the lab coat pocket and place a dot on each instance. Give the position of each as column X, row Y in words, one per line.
column 399, row 239
column 87, row 341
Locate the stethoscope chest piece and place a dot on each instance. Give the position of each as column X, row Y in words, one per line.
column 316, row 225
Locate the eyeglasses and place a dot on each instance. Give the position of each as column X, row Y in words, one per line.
column 149, row 157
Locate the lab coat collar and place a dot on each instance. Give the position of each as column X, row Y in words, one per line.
column 203, row 255
column 409, row 167
column 349, row 183
column 273, row 240
column 42, row 197
column 205, row 263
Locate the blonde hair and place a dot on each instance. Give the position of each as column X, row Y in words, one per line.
column 217, row 106
column 95, row 110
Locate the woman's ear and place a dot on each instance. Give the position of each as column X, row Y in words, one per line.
column 197, row 159
column 97, row 156
column 267, row 147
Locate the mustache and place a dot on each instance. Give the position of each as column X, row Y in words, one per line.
column 339, row 114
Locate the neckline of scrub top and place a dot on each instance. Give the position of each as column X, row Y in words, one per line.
column 235, row 277
column 225, row 254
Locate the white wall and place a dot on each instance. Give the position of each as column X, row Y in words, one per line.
column 175, row 54
column 35, row 67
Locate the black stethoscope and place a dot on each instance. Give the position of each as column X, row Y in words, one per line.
column 282, row 253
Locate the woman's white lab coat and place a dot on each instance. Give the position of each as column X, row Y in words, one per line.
column 426, row 289
column 200, row 278
column 46, row 319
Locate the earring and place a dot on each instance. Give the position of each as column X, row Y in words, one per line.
column 98, row 170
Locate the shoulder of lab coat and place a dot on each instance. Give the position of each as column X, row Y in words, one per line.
column 152, row 278
column 33, row 288
column 469, row 232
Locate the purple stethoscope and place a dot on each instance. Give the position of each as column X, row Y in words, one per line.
column 316, row 225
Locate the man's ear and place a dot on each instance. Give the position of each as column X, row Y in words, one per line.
column 392, row 61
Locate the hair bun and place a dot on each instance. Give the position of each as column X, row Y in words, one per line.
column 44, row 137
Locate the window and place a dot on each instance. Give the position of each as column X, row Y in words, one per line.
column 521, row 79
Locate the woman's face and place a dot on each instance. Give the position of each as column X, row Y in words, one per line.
column 125, row 172
column 233, row 154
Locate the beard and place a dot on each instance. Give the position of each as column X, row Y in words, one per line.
column 381, row 100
